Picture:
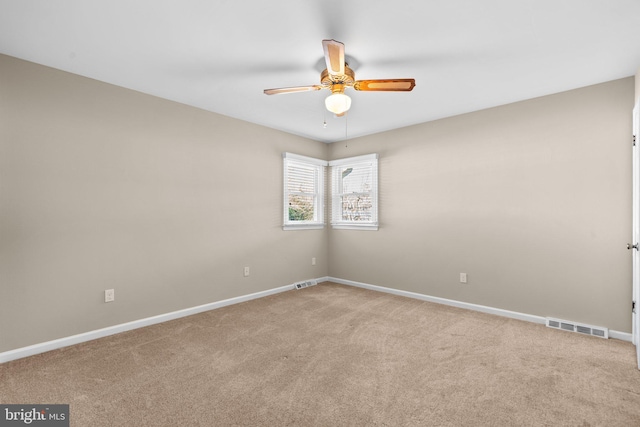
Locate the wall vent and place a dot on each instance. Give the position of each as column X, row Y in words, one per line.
column 305, row 284
column 565, row 325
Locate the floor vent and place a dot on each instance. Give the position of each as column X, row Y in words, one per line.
column 305, row 284
column 580, row 328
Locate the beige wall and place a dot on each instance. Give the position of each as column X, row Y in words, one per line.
column 102, row 187
column 532, row 200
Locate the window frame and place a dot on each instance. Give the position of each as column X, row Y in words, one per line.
column 318, row 166
column 336, row 196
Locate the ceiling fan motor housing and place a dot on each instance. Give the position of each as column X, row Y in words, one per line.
column 345, row 79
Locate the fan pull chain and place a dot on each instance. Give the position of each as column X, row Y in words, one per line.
column 346, row 127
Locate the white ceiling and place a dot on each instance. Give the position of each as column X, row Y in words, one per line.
column 219, row 55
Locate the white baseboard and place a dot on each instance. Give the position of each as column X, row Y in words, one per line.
column 624, row 336
column 112, row 330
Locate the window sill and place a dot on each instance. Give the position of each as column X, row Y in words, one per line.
column 368, row 227
column 290, row 227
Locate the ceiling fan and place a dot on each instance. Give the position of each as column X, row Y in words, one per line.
column 338, row 76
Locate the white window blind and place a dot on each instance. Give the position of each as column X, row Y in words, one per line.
column 303, row 192
column 354, row 192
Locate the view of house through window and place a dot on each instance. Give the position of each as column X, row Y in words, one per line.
column 354, row 192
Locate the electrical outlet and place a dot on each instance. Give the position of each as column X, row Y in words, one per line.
column 246, row 271
column 463, row 277
column 313, row 261
column 109, row 295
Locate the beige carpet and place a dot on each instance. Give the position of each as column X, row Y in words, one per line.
column 333, row 355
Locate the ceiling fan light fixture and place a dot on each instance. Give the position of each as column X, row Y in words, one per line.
column 338, row 103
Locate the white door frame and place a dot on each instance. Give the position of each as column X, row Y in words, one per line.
column 635, row 251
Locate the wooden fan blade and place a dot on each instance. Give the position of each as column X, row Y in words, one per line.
column 334, row 56
column 392, row 85
column 292, row 89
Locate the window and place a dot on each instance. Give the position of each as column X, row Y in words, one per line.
column 354, row 192
column 303, row 192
